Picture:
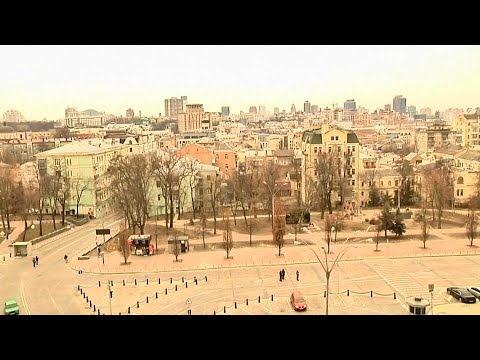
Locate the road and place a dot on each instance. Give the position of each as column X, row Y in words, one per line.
column 49, row 287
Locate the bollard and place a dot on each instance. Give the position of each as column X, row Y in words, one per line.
column 348, row 292
column 98, row 311
column 90, row 303
column 99, row 284
column 214, row 313
column 138, row 304
column 111, row 282
column 129, row 309
column 206, row 278
column 159, row 281
column 186, row 284
column 10, row 254
column 247, row 301
column 147, row 281
column 123, row 282
column 165, row 291
column 224, row 309
column 175, row 287
column 81, row 291
column 87, row 298
column 94, row 308
column 235, row 304
column 371, row 293
column 147, row 299
column 156, row 295
column 84, row 295
column 78, row 287
column 196, row 282
column 119, row 313
column 183, row 279
column 394, row 296
column 259, row 299
column 4, row 258
column 324, row 294
column 272, row 297
column 171, row 280
column 135, row 281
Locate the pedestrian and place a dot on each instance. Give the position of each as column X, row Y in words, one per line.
column 36, row 259
column 283, row 274
column 34, row 262
column 298, row 275
column 280, row 274
column 65, row 258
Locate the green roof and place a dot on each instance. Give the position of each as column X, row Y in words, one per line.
column 352, row 138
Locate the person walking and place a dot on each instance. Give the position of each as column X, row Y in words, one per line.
column 280, row 274
column 298, row 275
column 65, row 258
column 283, row 274
column 36, row 259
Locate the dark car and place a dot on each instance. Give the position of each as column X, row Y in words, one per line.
column 462, row 294
column 298, row 301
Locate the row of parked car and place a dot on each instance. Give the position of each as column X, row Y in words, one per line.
column 467, row 295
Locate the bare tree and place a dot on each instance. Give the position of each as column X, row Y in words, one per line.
column 422, row 218
column 124, row 246
column 79, row 188
column 227, row 237
column 279, row 225
column 51, row 189
column 203, row 223
column 471, row 225
column 270, row 176
column 215, row 193
column 328, row 224
column 130, row 184
column 176, row 248
column 326, row 169
column 370, row 176
column 7, row 198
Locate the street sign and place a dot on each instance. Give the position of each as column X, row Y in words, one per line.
column 102, row 231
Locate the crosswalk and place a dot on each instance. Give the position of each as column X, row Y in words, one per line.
column 403, row 283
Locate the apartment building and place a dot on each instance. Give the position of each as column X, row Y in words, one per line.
column 466, row 129
column 333, row 140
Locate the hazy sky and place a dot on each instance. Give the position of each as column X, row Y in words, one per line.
column 42, row 80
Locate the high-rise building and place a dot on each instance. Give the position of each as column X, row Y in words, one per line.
column 191, row 119
column 130, row 113
column 292, row 109
column 225, row 111
column 314, row 109
column 412, row 111
column 400, row 104
column 276, row 110
column 350, row 105
column 262, row 110
column 175, row 106
column 306, row 107
column 252, row 110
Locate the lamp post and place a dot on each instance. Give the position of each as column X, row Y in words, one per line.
column 273, row 198
column 156, row 230
column 430, row 289
column 329, row 268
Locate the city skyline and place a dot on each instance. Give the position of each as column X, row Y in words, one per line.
column 41, row 81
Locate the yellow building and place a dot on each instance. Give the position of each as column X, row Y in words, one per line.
column 466, row 128
column 331, row 139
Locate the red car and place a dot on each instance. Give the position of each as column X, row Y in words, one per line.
column 298, row 301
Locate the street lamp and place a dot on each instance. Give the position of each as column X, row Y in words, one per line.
column 325, row 265
column 273, row 198
column 430, row 289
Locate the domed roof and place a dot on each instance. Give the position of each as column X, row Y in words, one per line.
column 6, row 129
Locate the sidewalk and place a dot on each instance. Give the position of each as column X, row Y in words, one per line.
column 267, row 254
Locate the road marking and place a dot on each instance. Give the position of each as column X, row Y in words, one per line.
column 24, row 300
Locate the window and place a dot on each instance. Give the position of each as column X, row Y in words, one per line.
column 381, row 182
column 332, row 138
column 159, row 197
column 208, row 177
column 460, row 180
column 396, row 182
column 336, row 137
column 362, row 194
column 226, row 156
column 389, row 183
column 353, row 171
column 226, row 166
column 353, row 182
column 131, row 149
column 461, row 192
column 57, row 161
column 363, row 183
column 159, row 183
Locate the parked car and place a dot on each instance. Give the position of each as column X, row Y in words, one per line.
column 298, row 301
column 475, row 290
column 11, row 307
column 461, row 294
